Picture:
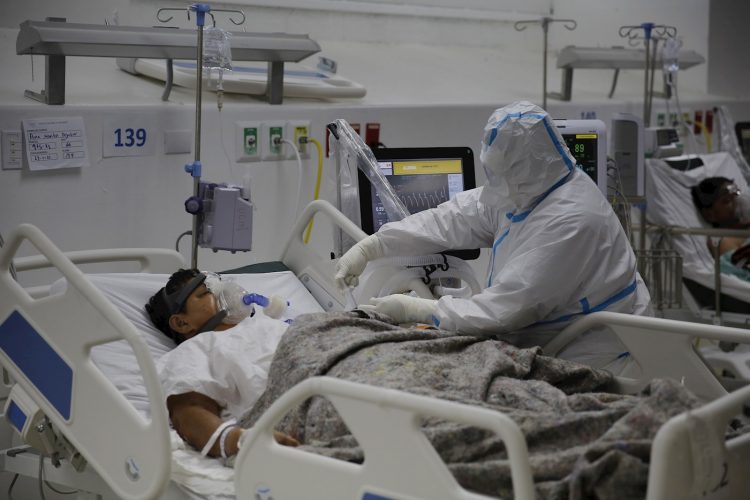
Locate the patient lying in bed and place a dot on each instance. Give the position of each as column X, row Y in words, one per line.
column 720, row 204
column 213, row 374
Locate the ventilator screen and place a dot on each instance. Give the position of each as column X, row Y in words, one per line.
column 422, row 178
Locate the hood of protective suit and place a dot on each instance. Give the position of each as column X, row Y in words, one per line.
column 523, row 155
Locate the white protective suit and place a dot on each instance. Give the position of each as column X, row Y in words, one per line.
column 558, row 250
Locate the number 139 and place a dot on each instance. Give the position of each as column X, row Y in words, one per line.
column 130, row 137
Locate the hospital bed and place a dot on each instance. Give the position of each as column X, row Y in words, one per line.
column 673, row 216
column 84, row 312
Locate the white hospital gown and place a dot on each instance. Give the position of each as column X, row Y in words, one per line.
column 229, row 366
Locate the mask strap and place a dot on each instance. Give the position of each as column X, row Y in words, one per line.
column 176, row 300
column 213, row 322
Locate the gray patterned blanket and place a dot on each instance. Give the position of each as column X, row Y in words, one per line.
column 584, row 442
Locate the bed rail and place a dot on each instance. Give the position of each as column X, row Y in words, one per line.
column 316, row 273
column 149, row 260
column 45, row 345
column 662, row 347
column 399, row 460
column 690, row 458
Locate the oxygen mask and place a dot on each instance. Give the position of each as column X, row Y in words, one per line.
column 233, row 299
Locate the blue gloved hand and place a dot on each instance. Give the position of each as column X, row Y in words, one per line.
column 403, row 308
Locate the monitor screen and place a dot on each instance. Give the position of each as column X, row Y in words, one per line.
column 583, row 147
column 587, row 143
column 422, row 178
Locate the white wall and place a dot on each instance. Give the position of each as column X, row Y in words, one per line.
column 728, row 48
column 430, row 81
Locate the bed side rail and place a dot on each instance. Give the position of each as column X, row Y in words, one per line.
column 399, row 460
column 149, row 260
column 662, row 347
column 45, row 346
column 690, row 458
column 316, row 273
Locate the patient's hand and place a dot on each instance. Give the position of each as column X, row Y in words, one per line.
column 741, row 256
column 285, row 439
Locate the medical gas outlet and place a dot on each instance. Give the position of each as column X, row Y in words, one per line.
column 298, row 131
column 272, row 147
column 247, row 141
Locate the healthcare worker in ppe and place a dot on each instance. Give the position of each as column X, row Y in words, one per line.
column 558, row 250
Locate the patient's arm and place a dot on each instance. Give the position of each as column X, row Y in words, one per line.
column 195, row 417
column 742, row 253
column 726, row 244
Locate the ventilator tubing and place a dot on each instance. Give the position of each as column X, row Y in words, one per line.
column 273, row 306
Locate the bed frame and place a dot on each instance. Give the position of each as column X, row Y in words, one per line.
column 689, row 456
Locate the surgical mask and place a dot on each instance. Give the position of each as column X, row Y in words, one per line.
column 233, row 299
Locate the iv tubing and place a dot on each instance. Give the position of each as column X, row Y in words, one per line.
column 317, row 185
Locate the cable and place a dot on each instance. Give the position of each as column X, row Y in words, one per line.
column 317, row 186
column 41, row 471
column 177, row 243
column 301, row 173
column 619, row 200
column 10, row 487
column 43, row 481
column 224, row 147
column 681, row 119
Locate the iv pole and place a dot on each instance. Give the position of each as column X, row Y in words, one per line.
column 570, row 25
column 192, row 204
column 632, row 33
column 655, row 32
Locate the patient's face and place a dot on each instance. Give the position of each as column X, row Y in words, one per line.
column 723, row 211
column 200, row 306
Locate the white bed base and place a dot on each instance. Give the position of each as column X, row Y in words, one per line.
column 383, row 438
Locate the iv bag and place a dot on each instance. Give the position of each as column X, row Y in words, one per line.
column 217, row 51
column 670, row 55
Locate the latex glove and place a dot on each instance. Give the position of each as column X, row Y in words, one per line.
column 353, row 262
column 403, row 308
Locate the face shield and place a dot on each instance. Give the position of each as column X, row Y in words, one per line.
column 522, row 154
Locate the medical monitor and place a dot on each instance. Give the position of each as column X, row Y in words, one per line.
column 587, row 142
column 423, row 178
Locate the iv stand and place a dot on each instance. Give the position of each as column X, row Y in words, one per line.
column 570, row 25
column 655, row 32
column 632, row 33
column 194, row 169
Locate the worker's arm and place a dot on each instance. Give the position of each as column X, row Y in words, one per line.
column 195, row 417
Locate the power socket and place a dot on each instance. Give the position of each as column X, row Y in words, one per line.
column 247, row 141
column 12, row 150
column 271, row 147
column 296, row 129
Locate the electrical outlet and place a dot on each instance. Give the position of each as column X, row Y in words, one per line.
column 247, row 141
column 12, row 150
column 271, row 147
column 294, row 131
